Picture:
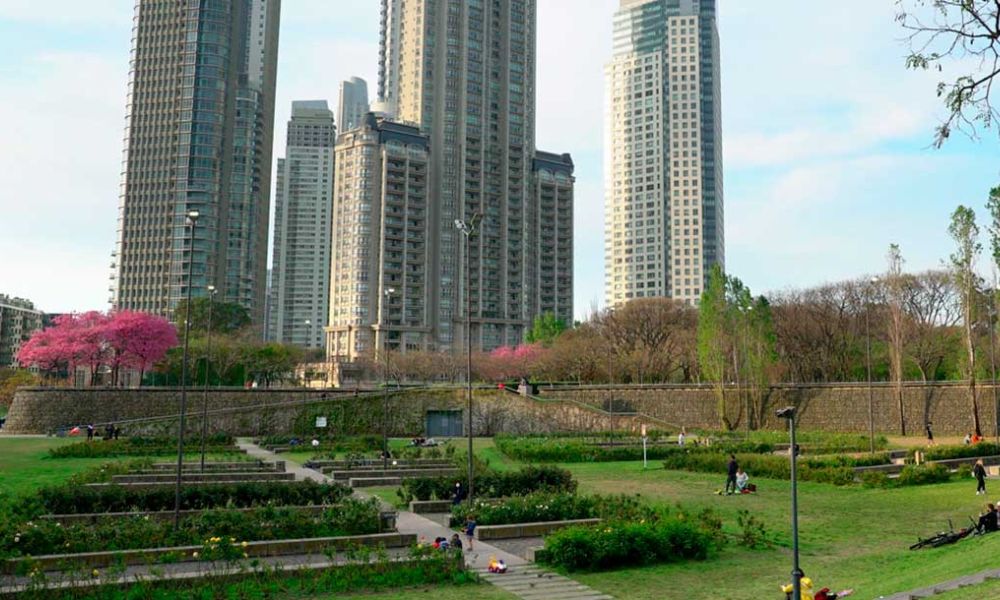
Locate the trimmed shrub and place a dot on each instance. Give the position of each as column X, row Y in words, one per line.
column 923, row 474
column 332, row 445
column 838, row 470
column 613, row 545
column 963, row 451
column 218, row 443
column 73, row 499
column 575, row 450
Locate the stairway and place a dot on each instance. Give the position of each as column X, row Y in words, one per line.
column 532, row 583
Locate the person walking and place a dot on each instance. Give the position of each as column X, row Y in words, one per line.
column 90, row 432
column 470, row 529
column 930, row 434
column 733, row 468
column 682, row 436
column 979, row 472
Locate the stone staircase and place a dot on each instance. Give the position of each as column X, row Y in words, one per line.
column 947, row 586
column 532, row 583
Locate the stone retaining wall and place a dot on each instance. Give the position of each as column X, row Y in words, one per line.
column 834, row 407
column 527, row 530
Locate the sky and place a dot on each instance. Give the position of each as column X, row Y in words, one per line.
column 826, row 137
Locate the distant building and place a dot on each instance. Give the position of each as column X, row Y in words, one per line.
column 18, row 320
column 198, row 136
column 380, row 242
column 663, row 206
column 353, row 104
column 552, row 179
column 303, row 208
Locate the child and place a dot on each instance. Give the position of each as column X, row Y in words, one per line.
column 470, row 529
column 456, row 542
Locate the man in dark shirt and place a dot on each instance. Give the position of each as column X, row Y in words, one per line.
column 731, row 479
column 988, row 520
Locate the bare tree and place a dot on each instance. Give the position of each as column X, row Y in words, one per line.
column 956, row 30
column 933, row 311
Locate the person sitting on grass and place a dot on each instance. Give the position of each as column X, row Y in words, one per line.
column 456, row 542
column 988, row 520
column 742, row 480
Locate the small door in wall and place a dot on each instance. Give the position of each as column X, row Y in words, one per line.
column 444, row 423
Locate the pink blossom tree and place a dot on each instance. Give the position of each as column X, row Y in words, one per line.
column 508, row 362
column 94, row 339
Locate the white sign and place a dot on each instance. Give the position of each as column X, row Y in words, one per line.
column 320, row 421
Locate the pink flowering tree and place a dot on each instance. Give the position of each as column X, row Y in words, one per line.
column 95, row 340
column 508, row 362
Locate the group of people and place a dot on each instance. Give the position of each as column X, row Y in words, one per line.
column 737, row 480
column 989, row 521
column 443, row 543
column 423, row 442
column 110, row 431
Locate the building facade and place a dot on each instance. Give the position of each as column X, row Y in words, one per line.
column 303, row 209
column 463, row 73
column 380, row 293
column 198, row 136
column 664, row 209
column 18, row 320
column 353, row 103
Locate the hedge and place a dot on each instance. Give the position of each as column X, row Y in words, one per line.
column 838, row 470
column 612, row 545
column 72, row 499
column 963, row 451
column 569, row 450
column 44, row 536
column 491, row 485
column 160, row 446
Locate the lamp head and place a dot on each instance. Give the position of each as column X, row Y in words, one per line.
column 193, row 215
column 786, row 413
column 211, row 289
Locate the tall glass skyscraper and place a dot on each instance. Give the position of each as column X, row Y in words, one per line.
column 664, row 218
column 198, row 136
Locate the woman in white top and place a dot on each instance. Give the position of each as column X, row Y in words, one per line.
column 742, row 479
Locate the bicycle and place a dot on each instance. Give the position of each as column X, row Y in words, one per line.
column 944, row 538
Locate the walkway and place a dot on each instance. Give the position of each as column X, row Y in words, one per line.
column 947, row 586
column 522, row 578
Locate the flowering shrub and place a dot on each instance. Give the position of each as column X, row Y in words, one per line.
column 492, row 485
column 612, row 545
column 73, row 499
column 38, row 537
column 547, row 506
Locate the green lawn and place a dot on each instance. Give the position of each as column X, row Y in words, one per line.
column 25, row 465
column 483, row 591
column 850, row 537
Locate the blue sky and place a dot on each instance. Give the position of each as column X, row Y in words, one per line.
column 826, row 137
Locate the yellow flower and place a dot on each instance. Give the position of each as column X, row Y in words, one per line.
column 245, row 555
column 95, row 573
column 194, row 554
column 232, row 540
column 244, row 544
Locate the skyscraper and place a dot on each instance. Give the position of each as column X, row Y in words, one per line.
column 199, row 122
column 663, row 157
column 353, row 103
column 303, row 207
column 463, row 71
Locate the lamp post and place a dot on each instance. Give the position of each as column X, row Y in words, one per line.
column 468, row 229
column 993, row 362
column 192, row 220
column 208, row 366
column 789, row 413
column 868, row 367
column 387, row 294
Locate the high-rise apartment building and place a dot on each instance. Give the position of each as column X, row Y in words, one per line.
column 18, row 320
column 380, row 292
column 303, row 208
column 663, row 156
column 199, row 121
column 462, row 72
column 353, row 103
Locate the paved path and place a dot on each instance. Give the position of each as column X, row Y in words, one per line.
column 947, row 586
column 522, row 578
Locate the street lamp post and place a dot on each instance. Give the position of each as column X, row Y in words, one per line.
column 192, row 220
column 387, row 293
column 789, row 413
column 868, row 367
column 208, row 367
column 468, row 229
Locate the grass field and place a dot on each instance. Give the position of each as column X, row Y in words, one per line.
column 25, row 465
column 976, row 592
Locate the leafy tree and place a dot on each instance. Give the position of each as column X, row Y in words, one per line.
column 897, row 327
column 966, row 32
column 965, row 232
column 227, row 317
column 545, row 329
column 11, row 379
column 713, row 343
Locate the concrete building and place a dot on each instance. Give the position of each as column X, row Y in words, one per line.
column 552, row 182
column 303, row 207
column 663, row 151
column 199, row 122
column 380, row 293
column 18, row 320
column 353, row 103
column 462, row 72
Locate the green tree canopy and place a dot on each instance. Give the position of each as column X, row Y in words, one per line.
column 545, row 329
column 227, row 317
